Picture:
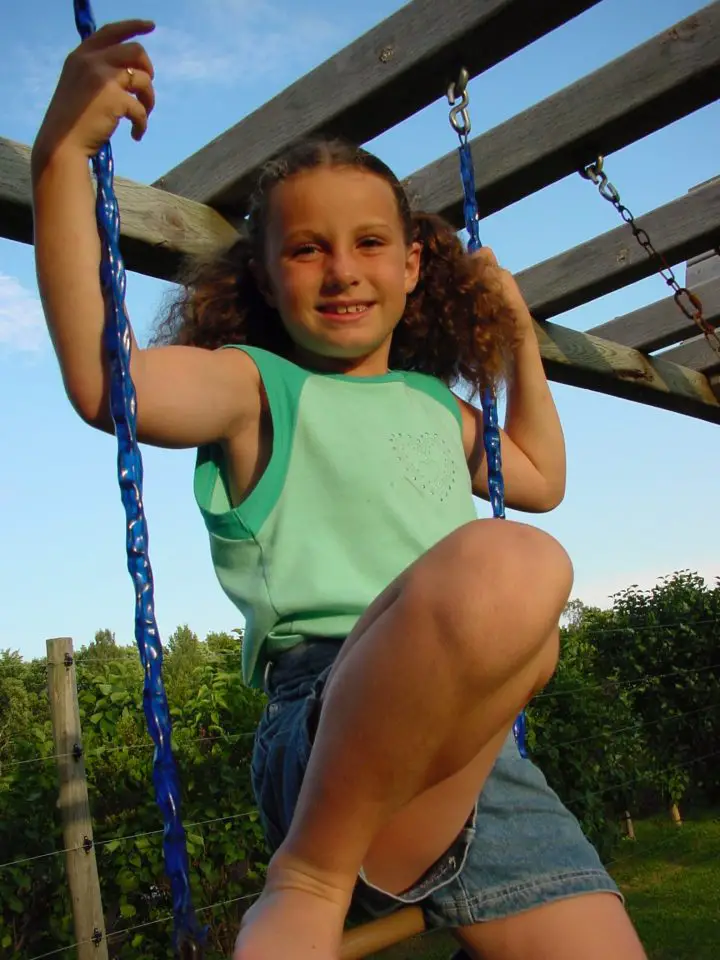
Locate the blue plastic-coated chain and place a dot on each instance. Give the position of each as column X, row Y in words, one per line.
column 491, row 432
column 130, row 477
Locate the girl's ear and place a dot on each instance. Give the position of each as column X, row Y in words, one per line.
column 412, row 265
column 263, row 282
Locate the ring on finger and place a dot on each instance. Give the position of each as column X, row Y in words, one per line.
column 131, row 77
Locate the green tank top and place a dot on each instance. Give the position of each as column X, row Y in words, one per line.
column 365, row 475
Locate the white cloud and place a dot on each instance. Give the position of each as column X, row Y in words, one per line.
column 22, row 325
column 28, row 76
column 233, row 41
column 228, row 43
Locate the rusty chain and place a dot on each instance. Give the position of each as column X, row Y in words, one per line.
column 687, row 301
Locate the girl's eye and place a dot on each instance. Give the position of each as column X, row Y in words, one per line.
column 371, row 242
column 307, row 249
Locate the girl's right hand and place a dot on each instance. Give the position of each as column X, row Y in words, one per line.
column 106, row 78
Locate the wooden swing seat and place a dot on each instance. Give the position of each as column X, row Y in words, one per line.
column 369, row 938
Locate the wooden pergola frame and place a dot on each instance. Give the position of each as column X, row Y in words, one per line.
column 402, row 65
column 396, row 69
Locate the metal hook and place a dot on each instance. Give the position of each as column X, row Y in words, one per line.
column 459, row 116
column 593, row 171
column 458, row 88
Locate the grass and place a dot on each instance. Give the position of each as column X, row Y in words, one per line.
column 670, row 877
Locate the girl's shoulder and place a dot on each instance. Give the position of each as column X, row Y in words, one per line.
column 437, row 389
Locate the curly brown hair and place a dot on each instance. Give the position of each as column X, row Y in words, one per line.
column 455, row 326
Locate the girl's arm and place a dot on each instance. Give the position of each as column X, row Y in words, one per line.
column 532, row 442
column 186, row 396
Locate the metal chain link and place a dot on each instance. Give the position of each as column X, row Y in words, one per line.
column 687, row 301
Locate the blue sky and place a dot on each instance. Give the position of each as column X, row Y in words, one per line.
column 640, row 480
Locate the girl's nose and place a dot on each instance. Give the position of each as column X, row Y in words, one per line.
column 341, row 270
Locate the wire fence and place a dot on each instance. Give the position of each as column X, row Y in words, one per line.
column 607, row 685
column 221, row 656
column 124, row 931
column 604, row 734
column 128, row 748
column 703, row 712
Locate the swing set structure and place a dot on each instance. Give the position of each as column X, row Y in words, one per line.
column 666, row 354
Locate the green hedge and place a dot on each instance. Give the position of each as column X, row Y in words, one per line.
column 629, row 721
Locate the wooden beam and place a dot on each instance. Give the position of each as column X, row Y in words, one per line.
column 384, row 77
column 570, row 357
column 705, row 267
column 660, row 79
column 696, row 354
column 715, row 385
column 661, row 324
column 680, row 229
column 583, row 360
column 657, row 83
column 158, row 230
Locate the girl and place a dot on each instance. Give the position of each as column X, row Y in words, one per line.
column 396, row 635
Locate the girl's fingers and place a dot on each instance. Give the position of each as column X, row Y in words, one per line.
column 139, row 83
column 485, row 256
column 129, row 55
column 113, row 33
column 137, row 115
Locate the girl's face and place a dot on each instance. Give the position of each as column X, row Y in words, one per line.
column 337, row 267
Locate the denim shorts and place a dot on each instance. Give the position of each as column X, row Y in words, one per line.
column 520, row 847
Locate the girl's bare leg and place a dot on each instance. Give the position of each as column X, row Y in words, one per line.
column 414, row 714
column 593, row 926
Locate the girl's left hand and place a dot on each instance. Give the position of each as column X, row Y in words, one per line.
column 488, row 266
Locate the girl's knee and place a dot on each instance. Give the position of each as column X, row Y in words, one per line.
column 497, row 581
column 516, row 557
column 544, row 553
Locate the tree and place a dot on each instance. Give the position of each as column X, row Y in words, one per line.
column 665, row 649
column 183, row 655
column 583, row 733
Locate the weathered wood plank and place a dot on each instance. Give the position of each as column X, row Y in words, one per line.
column 583, row 360
column 661, row 324
column 652, row 86
column 703, row 268
column 570, row 357
column 387, row 75
column 715, row 385
column 157, row 228
column 680, row 229
column 696, row 354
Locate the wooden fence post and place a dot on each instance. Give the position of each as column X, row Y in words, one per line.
column 629, row 828
column 80, row 862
